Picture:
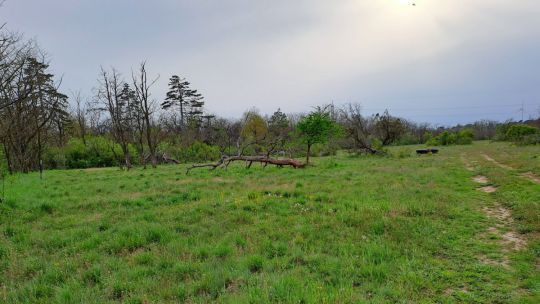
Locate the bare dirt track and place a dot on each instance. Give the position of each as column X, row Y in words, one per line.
column 503, row 230
column 532, row 177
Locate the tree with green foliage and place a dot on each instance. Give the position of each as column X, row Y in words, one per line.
column 279, row 130
column 254, row 132
column 519, row 131
column 188, row 101
column 316, row 128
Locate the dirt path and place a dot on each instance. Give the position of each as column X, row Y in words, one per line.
column 503, row 231
column 488, row 158
column 480, row 179
column 532, row 177
column 528, row 175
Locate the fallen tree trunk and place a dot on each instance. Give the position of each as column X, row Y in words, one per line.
column 226, row 160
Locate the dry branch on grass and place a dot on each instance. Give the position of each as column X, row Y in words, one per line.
column 224, row 162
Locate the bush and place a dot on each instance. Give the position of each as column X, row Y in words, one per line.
column 55, row 158
column 519, row 131
column 465, row 137
column 408, row 139
column 446, row 138
column 196, row 152
column 502, row 129
column 322, row 150
column 99, row 151
column 533, row 139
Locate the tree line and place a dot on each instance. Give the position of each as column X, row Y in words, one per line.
column 124, row 124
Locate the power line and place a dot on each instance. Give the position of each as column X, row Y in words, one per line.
column 448, row 108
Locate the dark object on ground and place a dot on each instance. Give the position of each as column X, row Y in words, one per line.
column 427, row 151
column 264, row 160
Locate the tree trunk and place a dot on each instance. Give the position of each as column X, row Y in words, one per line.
column 39, row 155
column 8, row 159
column 127, row 159
column 142, row 159
column 308, row 152
column 151, row 145
column 226, row 160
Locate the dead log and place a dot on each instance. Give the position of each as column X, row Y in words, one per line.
column 264, row 160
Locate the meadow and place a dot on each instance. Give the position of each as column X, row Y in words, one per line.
column 351, row 229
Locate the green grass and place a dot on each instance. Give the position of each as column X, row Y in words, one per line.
column 349, row 230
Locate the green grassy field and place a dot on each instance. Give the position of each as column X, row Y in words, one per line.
column 349, row 230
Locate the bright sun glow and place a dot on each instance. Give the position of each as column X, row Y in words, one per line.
column 406, row 2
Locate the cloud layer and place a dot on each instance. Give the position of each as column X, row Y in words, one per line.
column 443, row 61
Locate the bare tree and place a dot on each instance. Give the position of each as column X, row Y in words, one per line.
column 109, row 96
column 147, row 107
column 388, row 128
column 358, row 128
column 79, row 112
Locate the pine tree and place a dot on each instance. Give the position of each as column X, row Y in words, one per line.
column 188, row 101
column 45, row 103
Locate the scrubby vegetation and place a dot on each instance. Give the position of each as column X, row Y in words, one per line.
column 446, row 138
column 518, row 133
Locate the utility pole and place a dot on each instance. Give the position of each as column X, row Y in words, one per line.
column 522, row 111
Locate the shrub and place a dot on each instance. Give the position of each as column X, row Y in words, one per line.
column 99, row 151
column 519, row 131
column 196, row 152
column 321, row 150
column 501, row 131
column 465, row 137
column 446, row 138
column 55, row 158
column 533, row 139
column 408, row 139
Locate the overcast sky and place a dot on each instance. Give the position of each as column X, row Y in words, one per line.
column 441, row 61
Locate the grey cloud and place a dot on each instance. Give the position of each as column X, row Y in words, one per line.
column 474, row 55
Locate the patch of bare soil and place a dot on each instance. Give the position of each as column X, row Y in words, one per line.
column 513, row 240
column 488, row 189
column 500, row 213
column 503, row 262
column 481, row 179
column 532, row 177
column 509, row 238
column 451, row 291
column 488, row 158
